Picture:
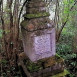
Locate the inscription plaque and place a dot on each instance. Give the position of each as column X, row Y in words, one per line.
column 42, row 44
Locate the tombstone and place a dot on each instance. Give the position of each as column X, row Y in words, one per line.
column 38, row 32
column 38, row 36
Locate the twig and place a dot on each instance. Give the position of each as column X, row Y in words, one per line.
column 21, row 10
column 65, row 22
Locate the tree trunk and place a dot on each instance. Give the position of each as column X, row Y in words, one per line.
column 11, row 32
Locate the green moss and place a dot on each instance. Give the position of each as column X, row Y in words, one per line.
column 33, row 67
column 36, row 15
column 53, row 60
column 24, row 23
column 64, row 73
column 3, row 61
column 58, row 57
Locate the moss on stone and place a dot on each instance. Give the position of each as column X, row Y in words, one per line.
column 53, row 60
column 39, row 66
column 24, row 23
column 33, row 67
column 37, row 15
column 64, row 73
column 59, row 58
column 47, row 62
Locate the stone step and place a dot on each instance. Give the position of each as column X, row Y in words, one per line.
column 37, row 24
column 35, row 10
column 36, row 4
column 39, row 69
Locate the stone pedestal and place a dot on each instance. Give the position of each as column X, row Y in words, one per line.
column 48, row 67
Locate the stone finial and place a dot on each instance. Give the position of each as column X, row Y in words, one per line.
column 36, row 17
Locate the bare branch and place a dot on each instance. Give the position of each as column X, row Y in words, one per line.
column 65, row 22
column 21, row 10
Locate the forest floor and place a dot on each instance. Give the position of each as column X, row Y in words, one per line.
column 7, row 70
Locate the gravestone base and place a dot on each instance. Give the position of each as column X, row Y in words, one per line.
column 48, row 67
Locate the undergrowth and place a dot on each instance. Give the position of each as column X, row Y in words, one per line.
column 65, row 50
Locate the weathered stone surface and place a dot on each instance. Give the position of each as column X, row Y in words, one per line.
column 37, row 24
column 35, row 4
column 40, row 70
column 35, row 49
column 35, row 7
column 35, row 10
column 54, row 61
column 37, row 15
column 36, row 0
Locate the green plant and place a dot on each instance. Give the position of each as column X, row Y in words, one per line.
column 1, row 31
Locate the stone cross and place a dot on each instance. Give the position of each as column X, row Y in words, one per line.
column 38, row 32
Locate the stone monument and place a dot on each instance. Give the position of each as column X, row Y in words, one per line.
column 38, row 31
column 38, row 36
